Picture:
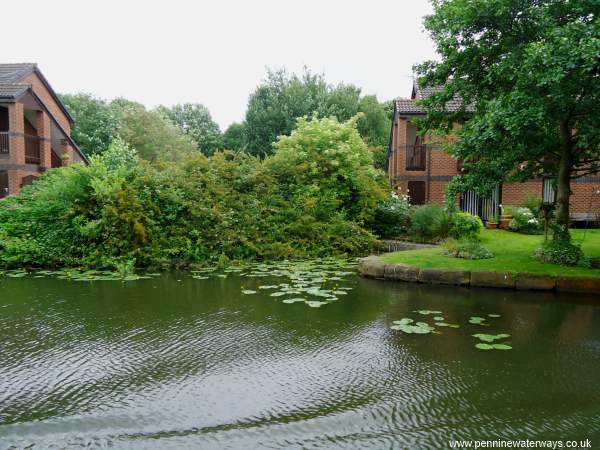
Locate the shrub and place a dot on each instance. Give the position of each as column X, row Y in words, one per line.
column 533, row 203
column 465, row 225
column 562, row 252
column 311, row 201
column 466, row 249
column 430, row 223
column 524, row 221
column 391, row 217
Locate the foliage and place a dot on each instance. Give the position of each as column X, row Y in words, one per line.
column 195, row 121
column 532, row 202
column 562, row 252
column 430, row 223
column 95, row 124
column 466, row 249
column 392, row 217
column 327, row 164
column 234, row 137
column 528, row 78
column 524, row 221
column 281, row 99
column 149, row 132
column 465, row 225
column 512, row 253
column 310, row 199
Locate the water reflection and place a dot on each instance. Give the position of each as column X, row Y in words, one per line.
column 175, row 362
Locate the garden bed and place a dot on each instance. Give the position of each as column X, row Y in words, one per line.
column 512, row 266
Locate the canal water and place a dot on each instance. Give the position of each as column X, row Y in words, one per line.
column 218, row 362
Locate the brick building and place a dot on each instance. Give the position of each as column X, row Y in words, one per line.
column 421, row 167
column 35, row 128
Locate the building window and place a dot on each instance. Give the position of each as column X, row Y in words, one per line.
column 3, row 184
column 416, row 192
column 416, row 157
column 548, row 191
column 29, row 179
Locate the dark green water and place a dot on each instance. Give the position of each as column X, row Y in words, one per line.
column 175, row 362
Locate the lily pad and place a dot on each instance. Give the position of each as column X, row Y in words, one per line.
column 449, row 325
column 248, row 291
column 482, row 346
column 477, row 320
column 418, row 328
column 490, row 337
column 278, row 294
column 438, row 318
column 403, row 321
column 315, row 304
column 426, row 312
column 494, row 315
column 293, row 300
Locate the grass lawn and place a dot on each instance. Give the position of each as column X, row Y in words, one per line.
column 512, row 252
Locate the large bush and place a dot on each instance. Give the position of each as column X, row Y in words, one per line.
column 391, row 218
column 465, row 226
column 525, row 221
column 430, row 223
column 311, row 199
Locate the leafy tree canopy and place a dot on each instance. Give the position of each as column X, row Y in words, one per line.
column 95, row 123
column 234, row 137
column 528, row 74
column 282, row 98
column 149, row 132
column 195, row 120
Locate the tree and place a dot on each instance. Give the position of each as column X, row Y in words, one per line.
column 149, row 132
column 195, row 120
column 95, row 123
column 234, row 137
column 528, row 74
column 275, row 106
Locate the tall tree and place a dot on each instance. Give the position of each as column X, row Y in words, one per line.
column 528, row 73
column 95, row 123
column 149, row 132
column 275, row 106
column 195, row 120
column 234, row 137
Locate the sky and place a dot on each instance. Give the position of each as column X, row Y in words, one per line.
column 216, row 52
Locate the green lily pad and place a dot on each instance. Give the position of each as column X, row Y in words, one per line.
column 449, row 325
column 278, row 294
column 315, row 304
column 293, row 300
column 477, row 320
column 490, row 337
column 426, row 312
column 267, row 287
column 482, row 346
column 418, row 328
column 248, row 291
column 200, row 277
column 494, row 315
column 438, row 318
column 403, row 321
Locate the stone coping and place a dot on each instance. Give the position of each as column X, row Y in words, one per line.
column 375, row 267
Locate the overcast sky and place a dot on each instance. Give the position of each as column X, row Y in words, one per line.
column 215, row 52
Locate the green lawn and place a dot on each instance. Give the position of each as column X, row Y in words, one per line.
column 512, row 252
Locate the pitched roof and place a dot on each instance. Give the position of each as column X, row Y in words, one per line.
column 409, row 105
column 11, row 73
column 11, row 91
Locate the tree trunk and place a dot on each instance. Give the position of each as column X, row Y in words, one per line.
column 563, row 185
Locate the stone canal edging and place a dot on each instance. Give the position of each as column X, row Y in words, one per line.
column 375, row 267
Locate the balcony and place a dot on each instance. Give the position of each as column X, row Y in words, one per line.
column 4, row 139
column 32, row 149
column 416, row 157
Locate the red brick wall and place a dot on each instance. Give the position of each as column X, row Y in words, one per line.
column 44, row 94
column 585, row 198
column 516, row 193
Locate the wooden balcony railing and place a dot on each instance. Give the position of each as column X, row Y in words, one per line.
column 416, row 157
column 4, row 142
column 32, row 149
